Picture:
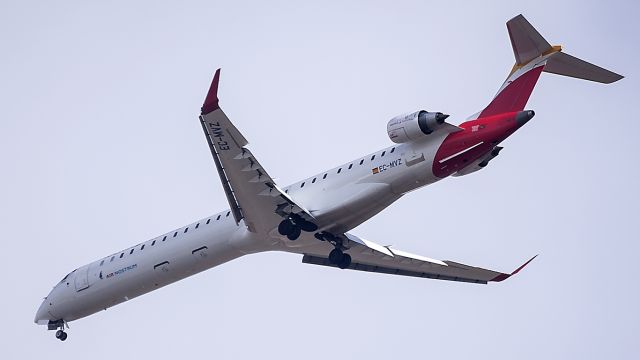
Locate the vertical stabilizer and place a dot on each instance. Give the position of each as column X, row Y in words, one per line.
column 534, row 55
column 526, row 41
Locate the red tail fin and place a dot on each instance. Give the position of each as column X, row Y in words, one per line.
column 515, row 95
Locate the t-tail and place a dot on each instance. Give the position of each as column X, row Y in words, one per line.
column 533, row 56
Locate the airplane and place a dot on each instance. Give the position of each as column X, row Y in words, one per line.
column 313, row 217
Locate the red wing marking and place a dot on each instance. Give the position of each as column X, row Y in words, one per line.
column 211, row 101
column 502, row 277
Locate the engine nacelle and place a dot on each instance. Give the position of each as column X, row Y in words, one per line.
column 411, row 127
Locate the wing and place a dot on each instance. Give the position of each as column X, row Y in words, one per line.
column 372, row 257
column 252, row 194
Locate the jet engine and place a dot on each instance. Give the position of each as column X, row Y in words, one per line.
column 410, row 127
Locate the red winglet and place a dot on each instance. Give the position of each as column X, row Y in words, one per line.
column 502, row 277
column 211, row 102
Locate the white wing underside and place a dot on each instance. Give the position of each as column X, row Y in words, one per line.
column 252, row 193
column 371, row 257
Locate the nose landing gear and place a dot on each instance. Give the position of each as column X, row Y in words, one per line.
column 58, row 324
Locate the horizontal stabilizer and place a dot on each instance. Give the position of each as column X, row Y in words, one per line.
column 567, row 65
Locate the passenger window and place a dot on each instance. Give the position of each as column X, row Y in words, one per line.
column 198, row 224
column 153, row 243
column 113, row 257
column 186, row 229
column 302, row 185
column 131, row 252
column 313, row 181
column 218, row 218
column 361, row 161
column 164, row 238
column 373, row 157
column 383, row 153
column 325, row 176
column 102, row 262
column 208, row 221
column 175, row 234
column 350, row 166
column 339, row 170
column 142, row 247
column 392, row 150
column 228, row 212
column 121, row 255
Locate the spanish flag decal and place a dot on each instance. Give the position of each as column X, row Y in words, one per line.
column 375, row 170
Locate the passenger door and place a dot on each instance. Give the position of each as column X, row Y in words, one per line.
column 82, row 278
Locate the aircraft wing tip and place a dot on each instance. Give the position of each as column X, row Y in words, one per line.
column 211, row 101
column 504, row 276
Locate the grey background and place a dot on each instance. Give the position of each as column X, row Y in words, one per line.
column 101, row 148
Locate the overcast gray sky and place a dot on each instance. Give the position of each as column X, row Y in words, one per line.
column 101, row 149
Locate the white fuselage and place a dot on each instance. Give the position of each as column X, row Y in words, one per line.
column 351, row 193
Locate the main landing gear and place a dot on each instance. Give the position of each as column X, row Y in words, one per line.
column 294, row 225
column 336, row 256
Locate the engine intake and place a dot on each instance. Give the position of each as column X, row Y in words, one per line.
column 411, row 127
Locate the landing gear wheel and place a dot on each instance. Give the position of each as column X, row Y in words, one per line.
column 308, row 226
column 335, row 256
column 285, row 227
column 61, row 335
column 345, row 262
column 294, row 234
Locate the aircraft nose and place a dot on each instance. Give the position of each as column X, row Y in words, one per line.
column 42, row 315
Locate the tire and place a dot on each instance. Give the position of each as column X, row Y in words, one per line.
column 345, row 262
column 285, row 227
column 64, row 336
column 308, row 226
column 59, row 334
column 335, row 256
column 294, row 234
